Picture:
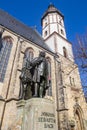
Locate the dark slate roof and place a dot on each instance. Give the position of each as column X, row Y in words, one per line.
column 52, row 9
column 19, row 28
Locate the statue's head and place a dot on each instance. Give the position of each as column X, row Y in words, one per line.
column 42, row 54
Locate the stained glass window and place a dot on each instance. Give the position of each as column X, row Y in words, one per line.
column 4, row 55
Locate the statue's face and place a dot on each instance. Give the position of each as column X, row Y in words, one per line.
column 42, row 54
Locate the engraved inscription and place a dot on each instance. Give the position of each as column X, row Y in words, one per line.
column 48, row 119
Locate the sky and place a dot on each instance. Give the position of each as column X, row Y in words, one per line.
column 30, row 13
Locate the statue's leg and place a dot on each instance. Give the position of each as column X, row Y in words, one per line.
column 21, row 90
column 28, row 92
column 36, row 90
column 32, row 89
column 41, row 89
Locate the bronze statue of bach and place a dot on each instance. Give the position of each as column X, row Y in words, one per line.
column 34, row 78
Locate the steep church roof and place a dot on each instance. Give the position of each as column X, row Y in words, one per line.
column 19, row 28
column 52, row 9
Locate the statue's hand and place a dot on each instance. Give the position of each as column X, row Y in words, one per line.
column 30, row 63
column 47, row 87
column 39, row 61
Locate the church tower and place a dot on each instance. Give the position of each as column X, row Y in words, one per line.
column 53, row 32
column 69, row 89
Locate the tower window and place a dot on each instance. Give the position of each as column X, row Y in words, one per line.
column 72, row 81
column 62, row 32
column 60, row 22
column 45, row 33
column 4, row 55
column 64, row 52
column 46, row 24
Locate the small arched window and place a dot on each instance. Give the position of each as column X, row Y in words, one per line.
column 64, row 52
column 4, row 55
column 60, row 22
column 62, row 32
column 45, row 34
column 45, row 23
column 49, row 91
column 28, row 55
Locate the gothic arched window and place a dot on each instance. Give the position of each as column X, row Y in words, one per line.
column 4, row 55
column 28, row 55
column 64, row 52
column 79, row 125
column 49, row 91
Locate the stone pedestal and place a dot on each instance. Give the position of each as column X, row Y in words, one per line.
column 36, row 114
column 39, row 114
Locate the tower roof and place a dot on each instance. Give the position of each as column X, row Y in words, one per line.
column 52, row 9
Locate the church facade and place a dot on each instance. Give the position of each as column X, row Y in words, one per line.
column 18, row 40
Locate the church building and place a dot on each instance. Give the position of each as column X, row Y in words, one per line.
column 18, row 41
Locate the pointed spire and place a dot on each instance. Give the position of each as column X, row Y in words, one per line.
column 51, row 5
column 51, row 9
